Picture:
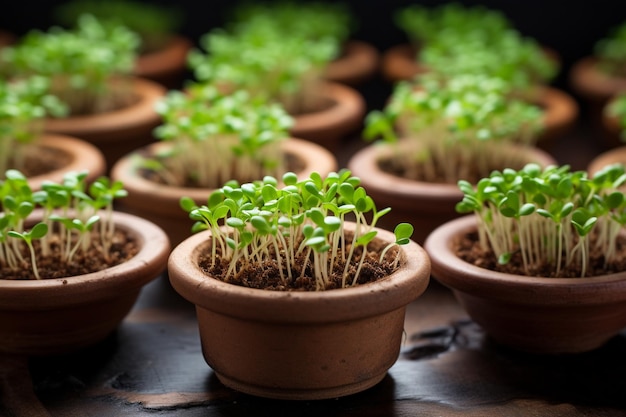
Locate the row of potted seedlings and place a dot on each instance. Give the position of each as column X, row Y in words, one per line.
column 236, row 159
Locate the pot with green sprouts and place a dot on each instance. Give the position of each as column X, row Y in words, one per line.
column 89, row 68
column 437, row 131
column 297, row 263
column 208, row 137
column 284, row 69
column 539, row 264
column 614, row 124
column 71, row 266
column 162, row 51
column 24, row 146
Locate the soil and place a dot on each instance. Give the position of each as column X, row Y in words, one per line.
column 468, row 249
column 267, row 276
column 41, row 160
column 124, row 247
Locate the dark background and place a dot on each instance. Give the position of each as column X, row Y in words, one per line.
column 569, row 27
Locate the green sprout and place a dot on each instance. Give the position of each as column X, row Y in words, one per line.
column 617, row 109
column 549, row 216
column 299, row 227
column 611, row 51
column 70, row 212
column 258, row 55
column 202, row 122
column 23, row 105
column 80, row 63
column 447, row 128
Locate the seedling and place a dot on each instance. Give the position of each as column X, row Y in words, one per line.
column 299, row 226
column 548, row 215
column 23, row 105
column 617, row 109
column 70, row 212
column 279, row 67
column 217, row 136
column 447, row 129
column 80, row 62
column 611, row 51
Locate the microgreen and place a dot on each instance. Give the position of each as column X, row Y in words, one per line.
column 611, row 51
column 80, row 62
column 548, row 215
column 281, row 66
column 454, row 39
column 465, row 119
column 23, row 105
column 70, row 211
column 217, row 136
column 259, row 221
column 154, row 23
column 617, row 109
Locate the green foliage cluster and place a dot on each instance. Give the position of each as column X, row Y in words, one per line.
column 611, row 51
column 455, row 39
column 265, row 52
column 74, row 205
column 548, row 215
column 449, row 126
column 617, row 109
column 202, row 122
column 263, row 221
column 23, row 105
column 154, row 23
column 79, row 62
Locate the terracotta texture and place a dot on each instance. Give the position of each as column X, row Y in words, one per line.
column 160, row 203
column 118, row 132
column 328, row 126
column 357, row 64
column 54, row 316
column 83, row 156
column 611, row 156
column 166, row 66
column 538, row 315
column 299, row 345
column 423, row 204
column 399, row 63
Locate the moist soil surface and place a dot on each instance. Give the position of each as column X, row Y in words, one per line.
column 266, row 275
column 468, row 249
column 52, row 266
column 40, row 160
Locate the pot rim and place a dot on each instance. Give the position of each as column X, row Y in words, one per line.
column 145, row 266
column 133, row 116
column 462, row 276
column 388, row 294
column 587, row 80
column 359, row 62
column 364, row 164
column 171, row 58
column 149, row 192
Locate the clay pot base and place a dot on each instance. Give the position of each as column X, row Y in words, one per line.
column 358, row 63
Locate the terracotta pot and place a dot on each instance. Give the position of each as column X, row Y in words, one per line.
column 423, row 204
column 299, row 345
column 560, row 114
column 166, row 66
column 83, row 156
column 328, row 126
column 56, row 316
column 160, row 203
column 117, row 132
column 399, row 63
column 357, row 64
column 612, row 156
column 538, row 315
column 596, row 88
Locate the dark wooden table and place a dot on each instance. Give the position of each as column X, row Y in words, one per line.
column 153, row 365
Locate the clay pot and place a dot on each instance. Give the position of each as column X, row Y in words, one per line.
column 342, row 116
column 609, row 157
column 560, row 114
column 61, row 315
column 597, row 88
column 357, row 64
column 117, row 132
column 299, row 345
column 423, row 204
column 400, row 63
column 165, row 66
column 159, row 203
column 537, row 315
column 83, row 156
